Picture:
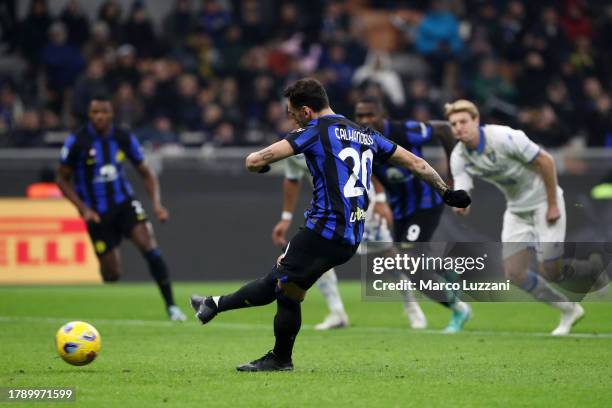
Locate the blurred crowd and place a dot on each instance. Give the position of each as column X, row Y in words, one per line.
column 213, row 71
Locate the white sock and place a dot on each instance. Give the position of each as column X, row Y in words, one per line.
column 460, row 306
column 542, row 291
column 328, row 285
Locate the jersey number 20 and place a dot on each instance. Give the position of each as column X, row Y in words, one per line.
column 361, row 165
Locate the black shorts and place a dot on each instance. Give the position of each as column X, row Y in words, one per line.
column 116, row 223
column 308, row 256
column 418, row 227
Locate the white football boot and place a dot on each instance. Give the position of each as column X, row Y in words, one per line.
column 569, row 318
column 416, row 317
column 334, row 320
column 175, row 314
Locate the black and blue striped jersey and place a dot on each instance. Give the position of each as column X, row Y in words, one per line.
column 339, row 155
column 406, row 192
column 97, row 162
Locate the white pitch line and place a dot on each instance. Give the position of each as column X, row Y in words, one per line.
column 251, row 326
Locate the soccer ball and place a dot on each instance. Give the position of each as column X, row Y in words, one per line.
column 78, row 343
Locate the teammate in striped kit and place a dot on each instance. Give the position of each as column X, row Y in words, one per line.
column 94, row 157
column 416, row 207
column 339, row 155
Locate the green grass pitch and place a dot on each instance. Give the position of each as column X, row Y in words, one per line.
column 502, row 359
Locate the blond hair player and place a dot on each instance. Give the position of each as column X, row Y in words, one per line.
column 535, row 214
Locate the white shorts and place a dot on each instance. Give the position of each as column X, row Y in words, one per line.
column 529, row 229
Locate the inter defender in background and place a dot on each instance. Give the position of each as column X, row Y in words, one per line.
column 416, row 207
column 339, row 154
column 94, row 156
column 535, row 214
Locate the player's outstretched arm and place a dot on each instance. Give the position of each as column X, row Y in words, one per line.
column 259, row 162
column 64, row 182
column 422, row 169
column 152, row 186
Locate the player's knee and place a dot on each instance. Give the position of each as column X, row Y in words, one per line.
column 291, row 291
column 151, row 255
column 515, row 274
column 110, row 274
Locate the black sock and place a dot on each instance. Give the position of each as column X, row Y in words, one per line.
column 159, row 271
column 287, row 324
column 259, row 292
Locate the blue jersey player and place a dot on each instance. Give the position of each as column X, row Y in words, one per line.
column 92, row 177
column 339, row 155
column 416, row 207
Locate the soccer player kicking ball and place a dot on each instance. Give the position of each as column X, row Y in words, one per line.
column 535, row 214
column 295, row 169
column 376, row 232
column 94, row 156
column 339, row 154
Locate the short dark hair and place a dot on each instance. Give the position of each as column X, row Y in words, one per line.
column 307, row 92
column 100, row 97
column 373, row 100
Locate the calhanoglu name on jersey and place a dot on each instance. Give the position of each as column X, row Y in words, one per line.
column 352, row 135
column 464, row 285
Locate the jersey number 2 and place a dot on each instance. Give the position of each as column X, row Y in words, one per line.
column 361, row 165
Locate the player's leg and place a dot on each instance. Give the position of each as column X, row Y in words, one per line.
column 110, row 265
column 105, row 240
column 519, row 234
column 420, row 227
column 569, row 272
column 337, row 317
column 259, row 292
column 287, row 323
column 412, row 309
column 550, row 251
column 288, row 320
column 516, row 268
column 307, row 257
column 142, row 235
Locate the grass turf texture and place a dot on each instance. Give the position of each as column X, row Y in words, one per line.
column 502, row 359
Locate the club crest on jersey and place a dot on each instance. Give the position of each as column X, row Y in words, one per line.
column 358, row 215
column 108, row 173
column 120, row 156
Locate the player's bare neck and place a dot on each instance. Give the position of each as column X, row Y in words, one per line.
column 105, row 131
column 323, row 112
column 474, row 142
